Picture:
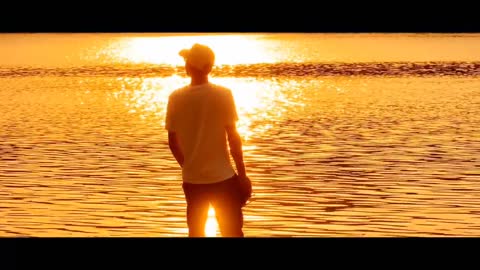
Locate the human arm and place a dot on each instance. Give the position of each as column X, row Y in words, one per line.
column 175, row 148
column 173, row 141
column 235, row 143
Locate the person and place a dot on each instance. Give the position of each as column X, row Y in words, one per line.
column 201, row 118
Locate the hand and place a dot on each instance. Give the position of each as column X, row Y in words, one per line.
column 243, row 177
column 245, row 186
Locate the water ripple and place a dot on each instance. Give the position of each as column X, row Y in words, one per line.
column 366, row 156
column 260, row 70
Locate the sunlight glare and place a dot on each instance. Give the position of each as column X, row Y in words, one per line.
column 211, row 227
column 257, row 101
column 229, row 49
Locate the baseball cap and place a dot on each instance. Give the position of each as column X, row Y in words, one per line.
column 198, row 56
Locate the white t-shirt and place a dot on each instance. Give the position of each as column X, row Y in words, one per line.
column 198, row 115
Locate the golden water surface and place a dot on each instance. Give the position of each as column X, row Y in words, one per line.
column 87, row 155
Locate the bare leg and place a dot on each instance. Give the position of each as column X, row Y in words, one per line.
column 228, row 210
column 197, row 209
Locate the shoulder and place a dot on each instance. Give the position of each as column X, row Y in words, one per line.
column 177, row 92
column 221, row 88
column 225, row 91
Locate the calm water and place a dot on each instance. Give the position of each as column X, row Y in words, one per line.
column 345, row 135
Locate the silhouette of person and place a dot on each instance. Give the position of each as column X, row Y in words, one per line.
column 201, row 118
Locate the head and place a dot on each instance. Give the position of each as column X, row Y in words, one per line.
column 199, row 60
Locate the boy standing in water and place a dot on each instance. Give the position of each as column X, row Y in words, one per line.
column 201, row 117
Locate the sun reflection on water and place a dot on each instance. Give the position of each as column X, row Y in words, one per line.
column 229, row 49
column 256, row 100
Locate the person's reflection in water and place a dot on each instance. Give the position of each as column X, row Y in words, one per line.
column 201, row 117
